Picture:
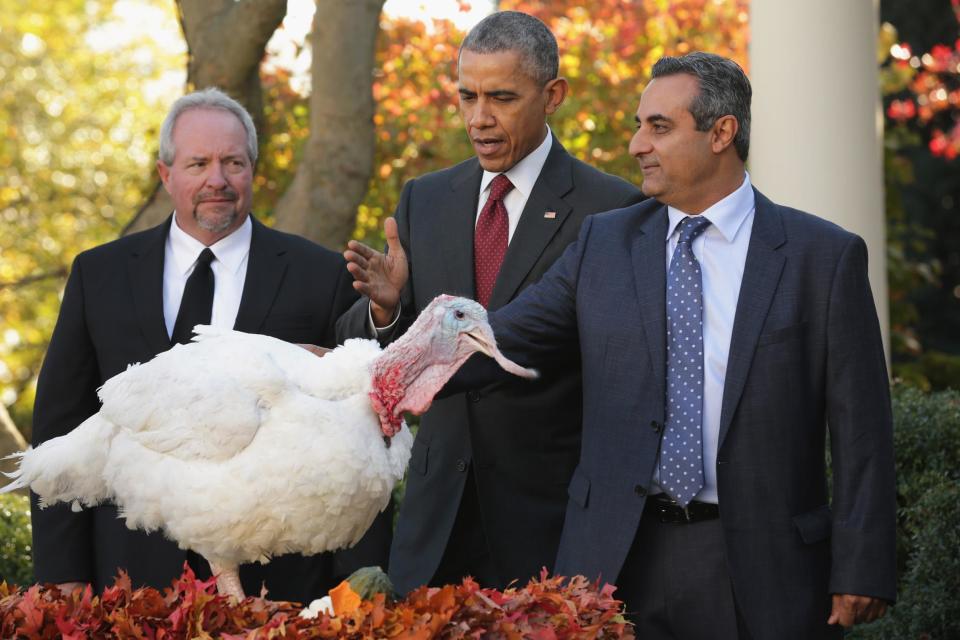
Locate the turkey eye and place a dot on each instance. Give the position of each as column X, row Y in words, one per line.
column 458, row 314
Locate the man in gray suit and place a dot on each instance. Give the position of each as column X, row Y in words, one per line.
column 720, row 336
column 486, row 489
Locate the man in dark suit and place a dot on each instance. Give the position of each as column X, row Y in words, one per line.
column 122, row 305
column 720, row 335
column 486, row 488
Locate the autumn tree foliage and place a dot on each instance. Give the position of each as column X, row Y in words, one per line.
column 921, row 97
column 607, row 50
column 78, row 130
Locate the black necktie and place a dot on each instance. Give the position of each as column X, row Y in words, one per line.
column 197, row 303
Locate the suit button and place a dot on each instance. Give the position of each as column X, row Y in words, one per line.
column 474, row 396
column 656, row 426
column 461, row 465
column 640, row 491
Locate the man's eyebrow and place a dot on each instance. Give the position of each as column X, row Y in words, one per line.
column 654, row 118
column 498, row 93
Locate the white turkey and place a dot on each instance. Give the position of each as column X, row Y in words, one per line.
column 241, row 447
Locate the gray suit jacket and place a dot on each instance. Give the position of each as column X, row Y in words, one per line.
column 805, row 355
column 522, row 439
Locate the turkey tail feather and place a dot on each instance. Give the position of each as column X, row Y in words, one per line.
column 68, row 468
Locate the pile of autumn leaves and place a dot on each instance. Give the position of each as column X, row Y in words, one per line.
column 546, row 609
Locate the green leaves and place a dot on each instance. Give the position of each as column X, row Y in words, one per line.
column 77, row 141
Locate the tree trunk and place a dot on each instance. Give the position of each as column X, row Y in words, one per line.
column 10, row 442
column 225, row 43
column 334, row 173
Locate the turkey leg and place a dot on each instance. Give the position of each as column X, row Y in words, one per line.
column 228, row 580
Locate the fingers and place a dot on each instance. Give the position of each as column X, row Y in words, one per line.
column 842, row 612
column 875, row 610
column 358, row 248
column 355, row 259
column 392, row 234
column 849, row 609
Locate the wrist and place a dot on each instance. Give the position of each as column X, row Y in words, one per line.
column 382, row 315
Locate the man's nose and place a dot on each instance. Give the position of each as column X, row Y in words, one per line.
column 216, row 177
column 481, row 115
column 639, row 144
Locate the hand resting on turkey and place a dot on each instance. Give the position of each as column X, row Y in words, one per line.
column 241, row 446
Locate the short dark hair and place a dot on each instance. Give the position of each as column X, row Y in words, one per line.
column 724, row 91
column 520, row 32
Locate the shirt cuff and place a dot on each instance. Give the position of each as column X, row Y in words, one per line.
column 381, row 331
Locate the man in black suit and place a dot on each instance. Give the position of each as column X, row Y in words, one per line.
column 122, row 305
column 733, row 334
column 486, row 488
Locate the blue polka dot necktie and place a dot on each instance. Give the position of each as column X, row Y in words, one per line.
column 681, row 453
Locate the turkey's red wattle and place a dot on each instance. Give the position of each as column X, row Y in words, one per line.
column 388, row 389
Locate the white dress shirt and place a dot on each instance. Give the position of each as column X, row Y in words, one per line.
column 721, row 251
column 229, row 272
column 523, row 176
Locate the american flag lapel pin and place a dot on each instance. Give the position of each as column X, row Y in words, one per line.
column 549, row 215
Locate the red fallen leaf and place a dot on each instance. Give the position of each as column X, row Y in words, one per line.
column 32, row 612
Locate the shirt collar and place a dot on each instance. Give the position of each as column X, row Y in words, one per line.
column 727, row 215
column 230, row 251
column 524, row 174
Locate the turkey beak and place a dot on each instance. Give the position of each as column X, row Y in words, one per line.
column 483, row 341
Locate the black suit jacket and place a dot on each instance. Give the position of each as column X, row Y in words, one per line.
column 805, row 355
column 522, row 439
column 112, row 316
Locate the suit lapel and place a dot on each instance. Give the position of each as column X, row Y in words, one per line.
column 534, row 231
column 266, row 267
column 146, row 282
column 649, row 256
column 458, row 216
column 761, row 275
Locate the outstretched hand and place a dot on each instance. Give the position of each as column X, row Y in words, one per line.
column 849, row 610
column 379, row 276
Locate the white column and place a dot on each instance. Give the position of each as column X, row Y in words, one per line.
column 816, row 138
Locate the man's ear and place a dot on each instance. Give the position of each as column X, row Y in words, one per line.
column 164, row 172
column 723, row 132
column 556, row 92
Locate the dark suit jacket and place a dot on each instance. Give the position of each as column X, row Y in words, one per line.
column 805, row 353
column 522, row 439
column 112, row 316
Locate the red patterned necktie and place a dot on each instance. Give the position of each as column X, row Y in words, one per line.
column 490, row 238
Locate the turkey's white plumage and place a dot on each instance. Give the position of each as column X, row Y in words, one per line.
column 238, row 446
column 241, row 446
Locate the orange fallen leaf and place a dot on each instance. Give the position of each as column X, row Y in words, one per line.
column 345, row 599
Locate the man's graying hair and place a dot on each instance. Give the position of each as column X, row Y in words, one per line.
column 724, row 91
column 520, row 32
column 210, row 98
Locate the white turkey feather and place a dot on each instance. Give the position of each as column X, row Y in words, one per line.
column 241, row 446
